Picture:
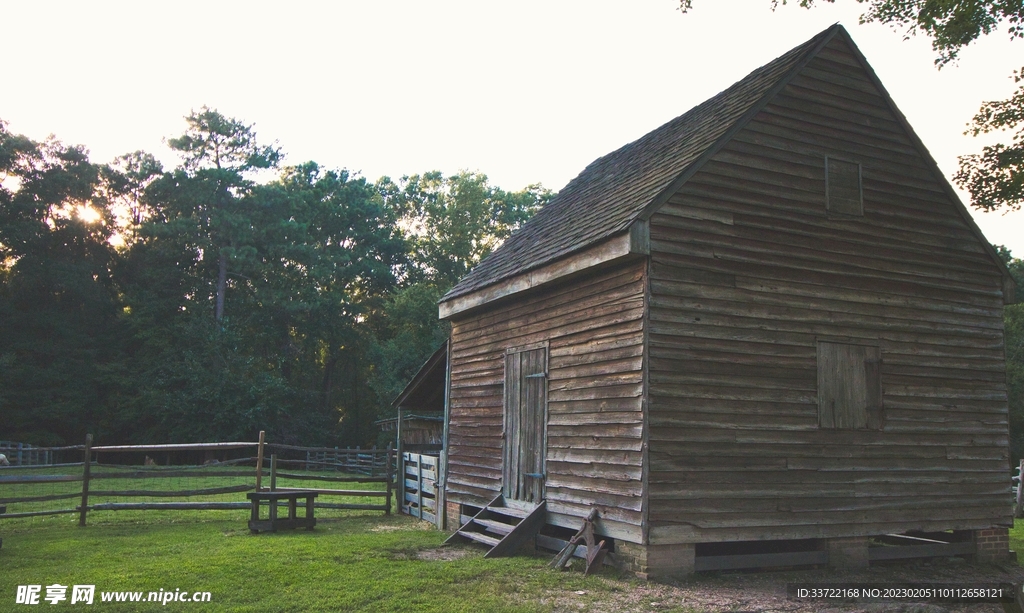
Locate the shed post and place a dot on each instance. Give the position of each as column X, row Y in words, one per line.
column 442, row 482
column 400, row 463
column 439, row 497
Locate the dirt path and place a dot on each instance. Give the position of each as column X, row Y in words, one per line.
column 766, row 592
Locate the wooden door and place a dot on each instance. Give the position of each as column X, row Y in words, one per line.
column 525, row 427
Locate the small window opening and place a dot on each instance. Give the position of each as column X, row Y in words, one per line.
column 843, row 189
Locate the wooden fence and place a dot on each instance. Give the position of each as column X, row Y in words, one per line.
column 92, row 475
column 1018, row 491
column 375, row 464
column 21, row 454
column 370, row 462
column 418, row 487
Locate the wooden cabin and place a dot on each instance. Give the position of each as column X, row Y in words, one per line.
column 769, row 321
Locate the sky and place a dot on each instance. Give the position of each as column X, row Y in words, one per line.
column 526, row 92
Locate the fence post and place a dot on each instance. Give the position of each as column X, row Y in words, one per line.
column 259, row 462
column 387, row 477
column 273, row 472
column 1018, row 508
column 85, row 480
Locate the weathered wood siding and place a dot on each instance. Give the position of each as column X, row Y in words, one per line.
column 594, row 326
column 749, row 273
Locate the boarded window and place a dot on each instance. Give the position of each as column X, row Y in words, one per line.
column 849, row 386
column 844, row 195
column 525, row 424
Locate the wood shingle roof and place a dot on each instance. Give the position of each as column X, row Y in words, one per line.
column 615, row 190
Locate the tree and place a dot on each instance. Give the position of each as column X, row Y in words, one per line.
column 456, row 221
column 59, row 333
column 218, row 154
column 331, row 251
column 125, row 181
column 1013, row 338
column 453, row 222
column 995, row 177
column 333, row 287
column 951, row 24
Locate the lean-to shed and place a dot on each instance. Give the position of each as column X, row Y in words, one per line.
column 769, row 320
column 419, row 424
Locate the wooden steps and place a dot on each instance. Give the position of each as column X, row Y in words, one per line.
column 480, row 537
column 501, row 527
column 509, row 511
column 492, row 525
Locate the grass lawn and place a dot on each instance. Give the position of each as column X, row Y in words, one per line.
column 358, row 562
column 1017, row 540
column 364, row 562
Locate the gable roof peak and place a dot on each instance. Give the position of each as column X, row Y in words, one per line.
column 629, row 184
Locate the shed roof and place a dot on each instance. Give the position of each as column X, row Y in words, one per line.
column 614, row 190
column 426, row 389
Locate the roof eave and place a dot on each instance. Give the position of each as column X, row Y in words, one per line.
column 438, row 359
column 634, row 242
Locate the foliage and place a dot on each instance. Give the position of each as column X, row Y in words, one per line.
column 456, row 221
column 995, row 177
column 218, row 155
column 1016, row 268
column 409, row 332
column 59, row 329
column 312, row 255
column 222, row 143
column 226, row 295
column 951, row 24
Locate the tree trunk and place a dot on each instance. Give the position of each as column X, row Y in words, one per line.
column 327, row 385
column 222, row 283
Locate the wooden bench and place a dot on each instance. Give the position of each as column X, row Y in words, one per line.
column 274, row 523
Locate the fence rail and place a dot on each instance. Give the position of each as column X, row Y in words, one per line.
column 371, row 462
column 133, row 484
